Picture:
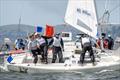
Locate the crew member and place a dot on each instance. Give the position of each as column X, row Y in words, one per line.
column 87, row 46
column 33, row 47
column 17, row 44
column 110, row 42
column 58, row 46
column 43, row 47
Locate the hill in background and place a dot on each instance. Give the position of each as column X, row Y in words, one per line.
column 13, row 31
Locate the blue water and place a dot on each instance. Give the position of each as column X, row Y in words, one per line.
column 102, row 75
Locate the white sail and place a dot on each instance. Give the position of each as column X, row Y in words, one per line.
column 81, row 14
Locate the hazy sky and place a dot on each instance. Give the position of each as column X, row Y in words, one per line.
column 42, row 12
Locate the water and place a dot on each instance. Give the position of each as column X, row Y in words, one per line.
column 102, row 75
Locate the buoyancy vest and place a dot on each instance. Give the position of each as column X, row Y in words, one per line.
column 41, row 40
column 85, row 40
column 32, row 45
column 56, row 42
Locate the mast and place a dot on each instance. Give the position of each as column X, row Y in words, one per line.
column 104, row 21
column 19, row 25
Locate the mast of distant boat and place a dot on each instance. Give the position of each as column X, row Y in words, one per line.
column 104, row 21
column 19, row 25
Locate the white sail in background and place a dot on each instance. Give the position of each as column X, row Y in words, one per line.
column 81, row 14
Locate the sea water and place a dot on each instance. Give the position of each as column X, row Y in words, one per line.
column 102, row 75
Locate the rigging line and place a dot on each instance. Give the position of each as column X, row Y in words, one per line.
column 110, row 11
column 106, row 5
column 118, row 6
column 105, row 10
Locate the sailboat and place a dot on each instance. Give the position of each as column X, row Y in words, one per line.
column 80, row 14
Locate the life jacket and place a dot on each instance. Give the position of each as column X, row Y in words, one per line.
column 41, row 40
column 105, row 43
column 32, row 45
column 85, row 40
column 98, row 42
column 57, row 42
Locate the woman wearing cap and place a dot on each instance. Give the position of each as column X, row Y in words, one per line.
column 33, row 47
column 43, row 47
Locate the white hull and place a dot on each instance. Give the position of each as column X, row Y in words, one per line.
column 106, row 61
column 59, row 67
column 2, row 69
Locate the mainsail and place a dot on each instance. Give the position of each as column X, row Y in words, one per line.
column 81, row 14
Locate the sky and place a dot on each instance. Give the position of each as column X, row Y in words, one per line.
column 52, row 12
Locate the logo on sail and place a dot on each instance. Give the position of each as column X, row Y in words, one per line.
column 82, row 11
